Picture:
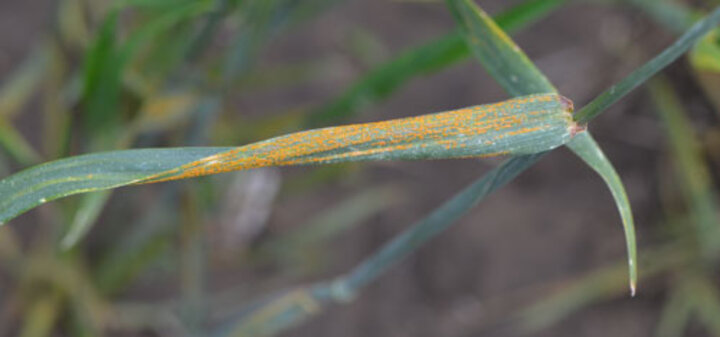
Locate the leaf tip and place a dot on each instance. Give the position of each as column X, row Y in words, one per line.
column 633, row 275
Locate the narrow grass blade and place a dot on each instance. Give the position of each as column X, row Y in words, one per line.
column 101, row 76
column 434, row 56
column 140, row 246
column 16, row 145
column 595, row 158
column 287, row 309
column 14, row 94
column 85, row 217
column 675, row 315
column 42, row 315
column 707, row 297
column 674, row 15
column 427, row 228
column 18, row 88
column 277, row 313
column 652, row 67
column 523, row 125
column 291, row 249
column 693, row 171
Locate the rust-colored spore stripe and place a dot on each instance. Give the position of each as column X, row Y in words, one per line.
column 515, row 126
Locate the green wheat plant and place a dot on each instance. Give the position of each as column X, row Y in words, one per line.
column 534, row 120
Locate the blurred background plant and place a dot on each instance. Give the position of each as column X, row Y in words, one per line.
column 207, row 256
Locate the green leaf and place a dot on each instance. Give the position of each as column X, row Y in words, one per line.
column 425, row 229
column 426, row 59
column 500, row 56
column 101, row 77
column 289, row 312
column 506, row 62
column 88, row 173
column 520, row 126
column 652, row 67
column 585, row 147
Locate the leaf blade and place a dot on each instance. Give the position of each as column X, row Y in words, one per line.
column 587, row 149
column 520, row 126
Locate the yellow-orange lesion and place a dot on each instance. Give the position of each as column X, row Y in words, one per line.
column 382, row 137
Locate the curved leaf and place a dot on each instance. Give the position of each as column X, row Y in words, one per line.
column 589, row 151
column 509, row 65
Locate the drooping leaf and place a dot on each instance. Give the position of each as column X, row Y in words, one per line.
column 586, row 148
column 509, row 65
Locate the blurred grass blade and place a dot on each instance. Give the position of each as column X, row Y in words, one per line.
column 15, row 92
column 140, row 245
column 675, row 314
column 85, row 216
column 276, row 315
column 652, row 67
column 595, row 158
column 509, row 65
column 705, row 56
column 108, row 59
column 101, row 76
column 705, row 61
column 595, row 287
column 502, row 58
column 439, row 220
column 524, row 125
column 673, row 14
column 42, row 315
column 706, row 295
column 441, row 53
column 16, row 145
column 696, row 181
column 292, row 248
column 19, row 87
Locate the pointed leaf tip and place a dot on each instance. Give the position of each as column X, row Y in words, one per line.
column 589, row 151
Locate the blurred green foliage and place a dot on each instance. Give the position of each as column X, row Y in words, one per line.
column 161, row 72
